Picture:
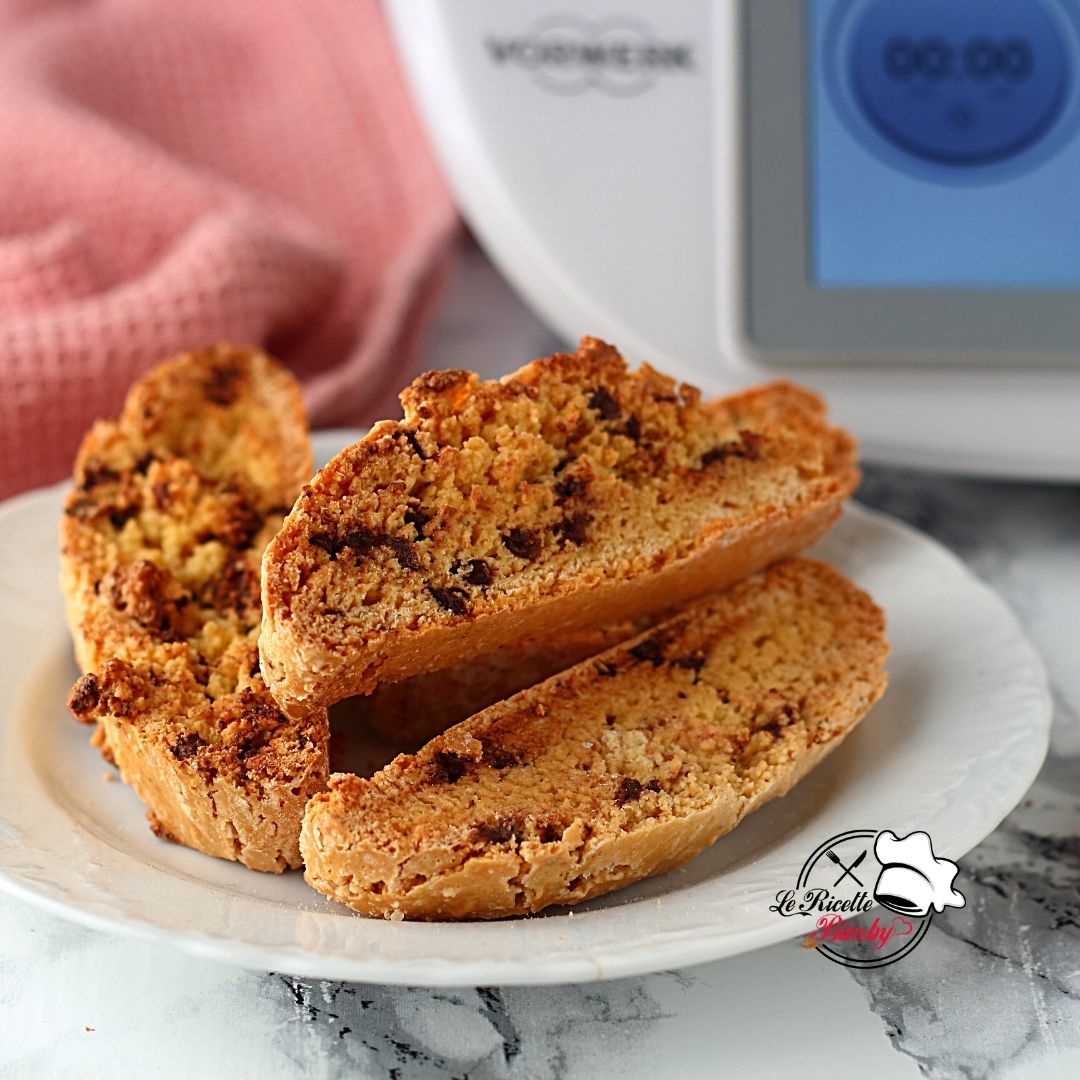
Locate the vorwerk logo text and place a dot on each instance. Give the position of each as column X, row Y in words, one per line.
column 567, row 54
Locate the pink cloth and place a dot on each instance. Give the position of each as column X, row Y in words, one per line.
column 177, row 172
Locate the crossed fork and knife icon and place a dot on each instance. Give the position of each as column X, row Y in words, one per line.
column 848, row 870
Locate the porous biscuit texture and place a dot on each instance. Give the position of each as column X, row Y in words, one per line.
column 575, row 493
column 161, row 543
column 622, row 767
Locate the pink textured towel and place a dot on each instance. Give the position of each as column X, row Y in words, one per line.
column 177, row 173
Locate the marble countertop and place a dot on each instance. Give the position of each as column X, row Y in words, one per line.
column 994, row 990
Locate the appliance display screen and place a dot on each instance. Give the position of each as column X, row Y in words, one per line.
column 944, row 144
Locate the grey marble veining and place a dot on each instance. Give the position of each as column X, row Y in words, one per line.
column 483, row 1032
column 994, row 990
column 996, row 985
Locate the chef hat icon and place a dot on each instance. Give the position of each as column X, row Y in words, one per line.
column 912, row 879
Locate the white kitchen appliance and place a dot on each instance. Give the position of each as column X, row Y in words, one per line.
column 879, row 198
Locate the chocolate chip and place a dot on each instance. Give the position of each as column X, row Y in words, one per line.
column 649, row 650
column 602, row 402
column 633, row 428
column 365, row 541
column 247, row 749
column 326, row 542
column 549, row 832
column 448, row 768
column 653, row 785
column 525, row 543
column 220, row 386
column 403, row 552
column 235, row 588
column 257, row 707
column 717, row 453
column 85, row 695
column 121, row 516
column 361, row 540
column 414, row 442
column 479, row 573
column 495, row 832
column 145, row 460
column 694, row 662
column 453, row 598
column 500, row 757
column 747, row 447
column 627, row 790
column 186, row 746
column 570, row 487
column 788, row 714
column 575, row 528
column 97, row 473
column 417, row 519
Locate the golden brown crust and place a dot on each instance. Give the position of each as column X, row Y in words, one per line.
column 571, row 494
column 161, row 542
column 622, row 767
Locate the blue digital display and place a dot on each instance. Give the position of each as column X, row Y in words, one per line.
column 959, row 82
column 944, row 150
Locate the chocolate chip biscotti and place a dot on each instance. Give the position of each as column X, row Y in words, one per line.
column 162, row 537
column 571, row 494
column 622, row 767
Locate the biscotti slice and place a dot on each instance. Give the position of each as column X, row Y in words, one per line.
column 620, row 768
column 571, row 494
column 410, row 712
column 161, row 544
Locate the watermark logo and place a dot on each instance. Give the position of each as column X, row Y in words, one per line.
column 849, row 875
column 569, row 54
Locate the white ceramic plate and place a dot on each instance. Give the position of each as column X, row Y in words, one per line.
column 951, row 748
